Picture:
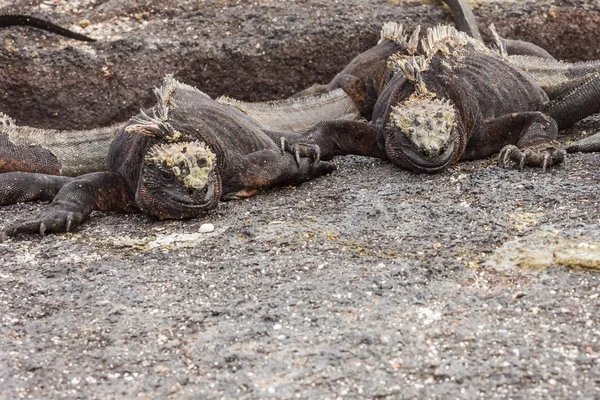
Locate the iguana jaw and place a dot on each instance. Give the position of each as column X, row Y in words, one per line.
column 178, row 181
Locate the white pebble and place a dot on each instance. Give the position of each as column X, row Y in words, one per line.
column 206, row 228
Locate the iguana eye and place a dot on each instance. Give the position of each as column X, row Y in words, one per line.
column 164, row 174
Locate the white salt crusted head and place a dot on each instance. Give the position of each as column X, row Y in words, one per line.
column 190, row 162
column 427, row 123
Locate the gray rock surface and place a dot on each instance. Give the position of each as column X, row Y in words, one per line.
column 370, row 283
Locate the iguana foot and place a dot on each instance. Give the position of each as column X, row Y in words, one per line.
column 548, row 157
column 51, row 220
column 308, row 150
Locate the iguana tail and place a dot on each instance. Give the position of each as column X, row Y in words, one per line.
column 51, row 151
column 464, row 19
column 297, row 114
column 579, row 103
column 26, row 20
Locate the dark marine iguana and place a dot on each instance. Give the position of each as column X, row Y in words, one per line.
column 459, row 100
column 179, row 158
column 7, row 20
column 366, row 75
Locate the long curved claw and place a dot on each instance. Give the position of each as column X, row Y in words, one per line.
column 42, row 229
column 545, row 162
column 311, row 151
column 70, row 218
column 544, row 158
column 522, row 157
column 297, row 155
column 317, row 157
column 282, row 144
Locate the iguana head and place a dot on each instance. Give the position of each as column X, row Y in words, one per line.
column 420, row 134
column 178, row 180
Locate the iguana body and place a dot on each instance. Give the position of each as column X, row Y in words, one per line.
column 175, row 160
column 457, row 100
column 26, row 20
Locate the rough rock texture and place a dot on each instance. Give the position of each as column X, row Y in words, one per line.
column 250, row 50
column 372, row 282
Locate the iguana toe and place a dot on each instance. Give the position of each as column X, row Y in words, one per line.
column 544, row 158
column 311, row 151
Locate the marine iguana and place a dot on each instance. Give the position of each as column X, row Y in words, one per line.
column 7, row 20
column 178, row 159
column 366, row 75
column 459, row 100
column 77, row 152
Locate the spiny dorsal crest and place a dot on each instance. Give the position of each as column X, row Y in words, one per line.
column 443, row 38
column 393, row 32
column 5, row 120
column 411, row 68
column 156, row 123
column 413, row 42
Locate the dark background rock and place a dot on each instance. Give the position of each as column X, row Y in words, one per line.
column 248, row 50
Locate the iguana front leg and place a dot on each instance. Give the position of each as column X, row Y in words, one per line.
column 517, row 138
column 76, row 200
column 267, row 168
column 17, row 187
column 339, row 137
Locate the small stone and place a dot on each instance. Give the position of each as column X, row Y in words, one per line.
column 518, row 295
column 84, row 23
column 206, row 228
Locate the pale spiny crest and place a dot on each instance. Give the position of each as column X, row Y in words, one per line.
column 498, row 41
column 155, row 123
column 413, row 42
column 440, row 38
column 393, row 32
column 5, row 120
column 411, row 68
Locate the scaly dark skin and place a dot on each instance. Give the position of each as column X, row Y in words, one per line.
column 174, row 161
column 459, row 101
column 26, row 20
column 365, row 77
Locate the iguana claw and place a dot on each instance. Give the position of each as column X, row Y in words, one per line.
column 312, row 151
column 545, row 158
column 282, row 143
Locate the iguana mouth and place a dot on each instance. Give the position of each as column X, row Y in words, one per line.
column 167, row 203
column 403, row 152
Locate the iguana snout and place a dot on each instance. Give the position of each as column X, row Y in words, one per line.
column 179, row 180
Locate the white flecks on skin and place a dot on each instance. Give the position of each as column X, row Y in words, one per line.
column 190, row 162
